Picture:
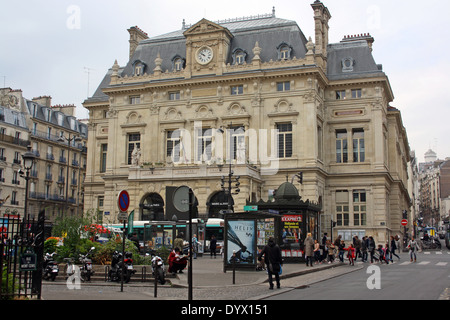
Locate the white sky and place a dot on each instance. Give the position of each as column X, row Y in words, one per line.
column 47, row 47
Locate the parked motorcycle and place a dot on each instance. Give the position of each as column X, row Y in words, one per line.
column 158, row 269
column 50, row 267
column 115, row 274
column 432, row 243
column 86, row 270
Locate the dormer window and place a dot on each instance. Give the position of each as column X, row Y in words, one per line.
column 347, row 64
column 239, row 56
column 138, row 68
column 284, row 51
column 178, row 63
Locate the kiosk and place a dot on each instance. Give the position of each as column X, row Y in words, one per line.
column 297, row 219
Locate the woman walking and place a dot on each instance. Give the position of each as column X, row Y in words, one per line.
column 392, row 249
column 412, row 246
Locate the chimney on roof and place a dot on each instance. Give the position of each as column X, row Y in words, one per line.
column 45, row 101
column 321, row 18
column 67, row 109
column 136, row 36
column 358, row 37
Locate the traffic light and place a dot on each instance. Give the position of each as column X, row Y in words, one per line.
column 237, row 184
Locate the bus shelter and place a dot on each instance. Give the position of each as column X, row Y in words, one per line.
column 246, row 234
column 157, row 234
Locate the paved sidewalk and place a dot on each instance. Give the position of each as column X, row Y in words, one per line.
column 210, row 282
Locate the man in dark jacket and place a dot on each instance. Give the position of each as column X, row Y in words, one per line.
column 273, row 260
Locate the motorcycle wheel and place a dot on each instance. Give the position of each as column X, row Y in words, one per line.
column 160, row 275
column 127, row 277
column 53, row 277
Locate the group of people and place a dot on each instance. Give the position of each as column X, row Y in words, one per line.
column 364, row 248
column 178, row 260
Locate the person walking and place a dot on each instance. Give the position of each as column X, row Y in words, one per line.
column 351, row 254
column 330, row 247
column 392, row 249
column 309, row 249
column 213, row 246
column 341, row 251
column 357, row 245
column 273, row 260
column 412, row 246
column 179, row 241
column 371, row 249
column 364, row 249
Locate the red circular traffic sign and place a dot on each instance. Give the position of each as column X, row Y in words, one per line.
column 404, row 222
column 123, row 200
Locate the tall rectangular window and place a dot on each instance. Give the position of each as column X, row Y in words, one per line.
column 237, row 146
column 342, row 208
column 284, row 140
column 134, row 141
column 204, row 144
column 359, row 152
column 341, row 146
column 359, row 208
column 103, row 154
column 173, row 145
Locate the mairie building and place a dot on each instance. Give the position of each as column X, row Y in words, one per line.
column 259, row 97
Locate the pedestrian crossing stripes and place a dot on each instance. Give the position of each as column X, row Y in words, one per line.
column 421, row 263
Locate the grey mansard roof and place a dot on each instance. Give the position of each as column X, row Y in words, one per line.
column 359, row 58
column 270, row 32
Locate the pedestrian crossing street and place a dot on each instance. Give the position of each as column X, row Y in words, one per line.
column 420, row 260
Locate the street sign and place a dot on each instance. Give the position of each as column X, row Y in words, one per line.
column 123, row 200
column 122, row 216
column 404, row 222
column 250, row 208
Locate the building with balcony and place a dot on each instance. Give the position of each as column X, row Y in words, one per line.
column 57, row 175
column 14, row 139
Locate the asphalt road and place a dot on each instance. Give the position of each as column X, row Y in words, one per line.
column 426, row 279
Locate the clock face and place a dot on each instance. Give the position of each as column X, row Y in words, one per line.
column 204, row 55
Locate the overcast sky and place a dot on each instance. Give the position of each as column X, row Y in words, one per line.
column 64, row 48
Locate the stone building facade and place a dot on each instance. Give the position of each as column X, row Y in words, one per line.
column 259, row 95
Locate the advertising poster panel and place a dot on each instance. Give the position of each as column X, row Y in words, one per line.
column 241, row 240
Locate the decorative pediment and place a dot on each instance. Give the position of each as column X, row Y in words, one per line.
column 205, row 26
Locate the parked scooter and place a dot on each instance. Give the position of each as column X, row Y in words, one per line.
column 115, row 274
column 50, row 267
column 158, row 269
column 86, row 270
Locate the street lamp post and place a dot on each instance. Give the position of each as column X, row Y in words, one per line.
column 230, row 175
column 28, row 160
column 69, row 140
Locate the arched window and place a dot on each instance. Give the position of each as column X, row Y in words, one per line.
column 178, row 63
column 239, row 56
column 152, row 208
column 284, row 51
column 138, row 68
